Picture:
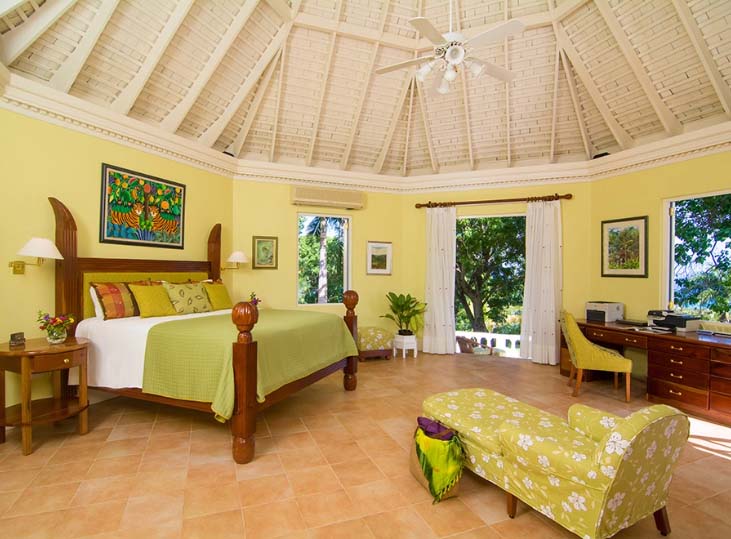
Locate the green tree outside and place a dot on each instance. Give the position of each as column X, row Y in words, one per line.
column 321, row 268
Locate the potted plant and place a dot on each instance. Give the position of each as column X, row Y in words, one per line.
column 406, row 311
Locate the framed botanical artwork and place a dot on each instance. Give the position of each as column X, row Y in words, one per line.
column 624, row 247
column 139, row 209
column 379, row 255
column 265, row 249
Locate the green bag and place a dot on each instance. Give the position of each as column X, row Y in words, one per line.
column 441, row 461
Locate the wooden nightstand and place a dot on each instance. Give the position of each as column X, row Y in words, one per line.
column 39, row 356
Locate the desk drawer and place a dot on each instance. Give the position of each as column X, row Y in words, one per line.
column 677, row 392
column 678, row 376
column 721, row 385
column 51, row 362
column 680, row 348
column 675, row 361
column 721, row 403
column 722, row 370
column 616, row 337
column 721, row 354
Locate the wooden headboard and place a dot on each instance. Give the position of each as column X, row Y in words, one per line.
column 70, row 271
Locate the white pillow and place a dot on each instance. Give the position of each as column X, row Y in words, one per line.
column 98, row 311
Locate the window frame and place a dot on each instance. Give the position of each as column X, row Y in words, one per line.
column 346, row 258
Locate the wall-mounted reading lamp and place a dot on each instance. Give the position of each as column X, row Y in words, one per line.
column 238, row 258
column 41, row 248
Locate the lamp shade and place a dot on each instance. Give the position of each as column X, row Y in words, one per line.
column 40, row 248
column 239, row 257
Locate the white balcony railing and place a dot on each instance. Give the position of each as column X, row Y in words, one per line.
column 509, row 345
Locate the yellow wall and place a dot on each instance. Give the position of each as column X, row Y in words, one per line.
column 41, row 160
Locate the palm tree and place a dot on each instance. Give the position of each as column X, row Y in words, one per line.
column 319, row 226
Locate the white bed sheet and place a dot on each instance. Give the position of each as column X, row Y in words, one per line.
column 117, row 348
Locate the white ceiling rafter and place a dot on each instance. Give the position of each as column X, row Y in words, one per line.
column 12, row 44
column 394, row 122
column 282, row 8
column 669, row 121
column 323, row 91
column 506, row 49
column 465, row 96
column 588, row 147
column 278, row 106
column 427, row 129
column 6, row 6
column 237, row 145
column 176, row 116
column 209, row 137
column 405, row 160
column 126, row 99
column 709, row 65
column 64, row 78
column 554, row 107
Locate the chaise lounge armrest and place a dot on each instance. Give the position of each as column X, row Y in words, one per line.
column 560, row 453
column 595, row 424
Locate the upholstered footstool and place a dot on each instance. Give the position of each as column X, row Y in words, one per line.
column 594, row 474
column 374, row 342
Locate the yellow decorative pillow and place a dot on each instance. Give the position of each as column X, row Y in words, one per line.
column 152, row 300
column 188, row 298
column 218, row 296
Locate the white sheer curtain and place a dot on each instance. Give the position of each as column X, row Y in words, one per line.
column 542, row 292
column 441, row 253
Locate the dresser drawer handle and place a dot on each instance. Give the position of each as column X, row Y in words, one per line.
column 67, row 361
column 597, row 334
column 627, row 339
column 676, row 348
column 676, row 393
column 678, row 376
column 676, row 362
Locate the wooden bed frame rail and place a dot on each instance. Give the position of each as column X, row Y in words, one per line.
column 70, row 299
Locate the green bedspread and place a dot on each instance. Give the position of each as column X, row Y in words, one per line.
column 191, row 359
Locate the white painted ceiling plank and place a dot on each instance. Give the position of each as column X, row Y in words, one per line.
column 6, row 6
column 588, row 146
column 173, row 120
column 620, row 135
column 126, row 99
column 701, row 48
column 64, row 78
column 667, row 118
column 323, row 91
column 13, row 43
column 238, row 144
column 378, row 166
column 210, row 136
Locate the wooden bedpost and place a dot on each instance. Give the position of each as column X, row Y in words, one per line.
column 350, row 379
column 68, row 278
column 243, row 422
column 214, row 252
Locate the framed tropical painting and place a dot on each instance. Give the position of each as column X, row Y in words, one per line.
column 379, row 255
column 624, row 247
column 139, row 209
column 265, row 252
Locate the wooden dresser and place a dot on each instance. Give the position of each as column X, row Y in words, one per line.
column 689, row 371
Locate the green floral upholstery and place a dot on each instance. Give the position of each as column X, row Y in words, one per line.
column 373, row 338
column 594, row 474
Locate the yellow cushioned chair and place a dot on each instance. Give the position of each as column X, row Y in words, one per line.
column 587, row 355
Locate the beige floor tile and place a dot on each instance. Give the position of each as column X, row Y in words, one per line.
column 201, row 501
column 285, row 425
column 336, row 452
column 43, row 526
column 528, row 526
column 479, row 533
column 212, row 473
column 151, row 511
column 294, row 442
column 410, row 488
column 357, row 472
column 7, row 499
column 352, row 529
column 223, row 525
column 114, row 466
column 122, row 448
column 299, row 460
column 164, row 461
column 134, row 430
column 314, row 480
column 376, row 497
column 404, row 523
column 323, row 509
column 266, row 489
column 106, row 489
column 261, row 466
column 717, row 506
column 448, row 517
column 70, row 453
column 165, row 481
column 273, row 520
column 17, row 479
column 90, row 520
column 43, row 499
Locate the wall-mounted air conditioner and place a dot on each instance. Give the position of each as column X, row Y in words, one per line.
column 332, row 198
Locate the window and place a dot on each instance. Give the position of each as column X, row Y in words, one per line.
column 323, row 261
column 700, row 256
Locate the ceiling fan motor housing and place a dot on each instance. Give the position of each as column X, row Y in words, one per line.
column 455, row 53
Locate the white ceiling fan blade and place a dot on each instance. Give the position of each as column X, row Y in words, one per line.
column 513, row 26
column 426, row 29
column 400, row 65
column 498, row 72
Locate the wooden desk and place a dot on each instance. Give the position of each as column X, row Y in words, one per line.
column 689, row 371
column 39, row 356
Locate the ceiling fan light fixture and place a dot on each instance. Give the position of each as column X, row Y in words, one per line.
column 455, row 54
column 424, row 71
column 450, row 74
column 443, row 87
column 476, row 67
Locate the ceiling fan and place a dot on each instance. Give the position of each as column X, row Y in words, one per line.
column 451, row 52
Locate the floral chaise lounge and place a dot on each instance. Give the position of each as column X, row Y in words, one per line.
column 594, row 475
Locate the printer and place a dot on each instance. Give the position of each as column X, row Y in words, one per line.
column 672, row 320
column 604, row 311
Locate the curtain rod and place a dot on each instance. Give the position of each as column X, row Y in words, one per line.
column 546, row 198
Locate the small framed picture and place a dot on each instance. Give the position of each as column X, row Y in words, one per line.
column 624, row 247
column 265, row 252
column 379, row 255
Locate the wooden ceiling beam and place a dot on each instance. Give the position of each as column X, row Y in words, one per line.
column 176, row 116
column 620, row 135
column 667, row 118
column 278, row 105
column 554, row 110
column 588, row 146
column 64, row 78
column 323, row 91
column 238, row 144
column 701, row 48
column 127, row 97
column 15, row 42
column 378, row 166
column 361, row 33
column 427, row 131
column 408, row 129
column 282, row 9
column 506, row 51
column 7, row 6
column 210, row 136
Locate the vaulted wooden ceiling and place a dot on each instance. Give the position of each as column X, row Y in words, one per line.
column 293, row 82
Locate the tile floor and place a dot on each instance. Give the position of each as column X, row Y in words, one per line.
column 329, row 464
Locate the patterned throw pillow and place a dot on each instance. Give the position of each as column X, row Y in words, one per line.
column 188, row 298
column 116, row 300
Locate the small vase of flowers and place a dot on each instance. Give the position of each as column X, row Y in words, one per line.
column 254, row 300
column 56, row 326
